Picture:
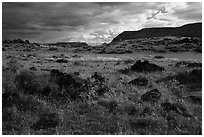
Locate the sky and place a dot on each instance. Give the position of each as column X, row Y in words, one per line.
column 91, row 22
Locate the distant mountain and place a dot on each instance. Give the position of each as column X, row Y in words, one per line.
column 188, row 30
column 69, row 44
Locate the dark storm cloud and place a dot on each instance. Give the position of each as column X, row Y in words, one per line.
column 91, row 22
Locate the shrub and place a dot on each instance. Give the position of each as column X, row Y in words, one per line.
column 191, row 79
column 77, row 63
column 14, row 65
column 25, row 82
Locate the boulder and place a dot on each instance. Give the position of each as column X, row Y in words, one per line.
column 61, row 61
column 145, row 66
column 151, row 96
column 70, row 85
column 158, row 57
column 33, row 68
column 141, row 81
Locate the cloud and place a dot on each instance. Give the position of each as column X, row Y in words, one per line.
column 163, row 10
column 95, row 22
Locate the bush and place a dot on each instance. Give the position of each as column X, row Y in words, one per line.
column 77, row 63
column 191, row 79
column 14, row 65
column 25, row 82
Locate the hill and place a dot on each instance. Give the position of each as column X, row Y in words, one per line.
column 188, row 30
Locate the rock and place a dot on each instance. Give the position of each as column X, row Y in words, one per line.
column 47, row 121
column 195, row 64
column 52, row 48
column 33, row 68
column 141, row 81
column 158, row 57
column 195, row 99
column 61, row 61
column 76, row 73
column 151, row 96
column 72, row 85
column 145, row 66
column 61, row 56
column 176, row 108
column 188, row 64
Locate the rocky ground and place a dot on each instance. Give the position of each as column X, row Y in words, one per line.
column 89, row 90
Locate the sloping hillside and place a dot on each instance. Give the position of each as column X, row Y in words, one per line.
column 189, row 30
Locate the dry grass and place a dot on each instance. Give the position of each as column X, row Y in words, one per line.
column 111, row 106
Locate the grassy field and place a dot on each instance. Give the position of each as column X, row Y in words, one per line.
column 117, row 100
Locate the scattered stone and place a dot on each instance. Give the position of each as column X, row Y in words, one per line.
column 151, row 96
column 145, row 66
column 47, row 121
column 141, row 81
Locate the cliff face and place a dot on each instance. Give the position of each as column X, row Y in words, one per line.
column 189, row 30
